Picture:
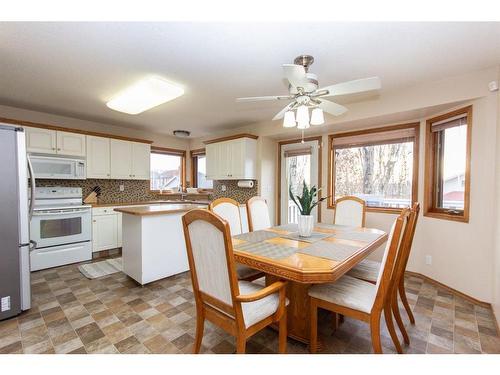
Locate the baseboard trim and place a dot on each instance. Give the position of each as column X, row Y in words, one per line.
column 450, row 289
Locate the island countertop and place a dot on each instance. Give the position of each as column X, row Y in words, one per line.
column 159, row 209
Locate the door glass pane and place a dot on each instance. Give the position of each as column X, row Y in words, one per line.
column 452, row 176
column 298, row 170
column 201, row 178
column 165, row 171
column 50, row 228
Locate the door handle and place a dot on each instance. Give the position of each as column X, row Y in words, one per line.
column 33, row 245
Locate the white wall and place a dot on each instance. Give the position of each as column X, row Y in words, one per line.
column 496, row 260
column 267, row 152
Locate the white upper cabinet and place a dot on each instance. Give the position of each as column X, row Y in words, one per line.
column 98, row 157
column 72, row 144
column 121, row 159
column 130, row 160
column 41, row 140
column 234, row 159
column 141, row 159
column 48, row 141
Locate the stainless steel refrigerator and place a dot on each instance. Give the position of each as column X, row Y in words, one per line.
column 15, row 290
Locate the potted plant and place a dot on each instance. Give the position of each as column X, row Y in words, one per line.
column 305, row 204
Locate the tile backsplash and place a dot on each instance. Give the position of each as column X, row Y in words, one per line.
column 138, row 190
column 134, row 190
column 241, row 195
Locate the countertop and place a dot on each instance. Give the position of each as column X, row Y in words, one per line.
column 143, row 203
column 159, row 209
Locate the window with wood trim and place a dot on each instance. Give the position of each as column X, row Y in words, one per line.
column 168, row 167
column 447, row 169
column 378, row 165
column 199, row 170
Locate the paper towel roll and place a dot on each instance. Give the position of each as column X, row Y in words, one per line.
column 246, row 184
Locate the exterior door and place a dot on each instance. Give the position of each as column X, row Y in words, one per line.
column 299, row 163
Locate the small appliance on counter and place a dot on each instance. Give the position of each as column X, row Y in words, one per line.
column 15, row 244
column 61, row 226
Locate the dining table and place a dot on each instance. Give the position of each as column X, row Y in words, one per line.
column 323, row 257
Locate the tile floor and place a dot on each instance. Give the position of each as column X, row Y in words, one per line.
column 113, row 314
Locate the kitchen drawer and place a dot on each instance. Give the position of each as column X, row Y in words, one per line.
column 103, row 211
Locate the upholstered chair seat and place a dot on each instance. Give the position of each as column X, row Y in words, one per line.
column 347, row 291
column 247, row 273
column 367, row 270
column 254, row 312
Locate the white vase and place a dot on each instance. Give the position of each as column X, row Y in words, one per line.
column 306, row 224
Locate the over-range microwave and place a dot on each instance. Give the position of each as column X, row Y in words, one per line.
column 57, row 167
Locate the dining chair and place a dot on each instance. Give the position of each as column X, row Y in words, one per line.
column 240, row 308
column 229, row 210
column 258, row 214
column 357, row 298
column 350, row 210
column 368, row 270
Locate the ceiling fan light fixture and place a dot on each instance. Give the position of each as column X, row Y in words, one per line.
column 289, row 120
column 303, row 125
column 317, row 117
column 303, row 115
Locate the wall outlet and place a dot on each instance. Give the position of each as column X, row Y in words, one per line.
column 428, row 260
column 122, row 187
column 223, row 188
column 5, row 303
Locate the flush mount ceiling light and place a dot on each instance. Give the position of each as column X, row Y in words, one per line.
column 182, row 133
column 145, row 94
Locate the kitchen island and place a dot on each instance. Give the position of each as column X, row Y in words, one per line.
column 153, row 240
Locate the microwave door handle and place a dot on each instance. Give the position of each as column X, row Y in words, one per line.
column 33, row 186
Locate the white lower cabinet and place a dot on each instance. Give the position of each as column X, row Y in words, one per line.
column 106, row 229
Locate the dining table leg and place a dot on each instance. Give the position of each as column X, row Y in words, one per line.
column 298, row 310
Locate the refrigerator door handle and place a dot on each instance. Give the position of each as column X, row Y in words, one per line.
column 33, row 186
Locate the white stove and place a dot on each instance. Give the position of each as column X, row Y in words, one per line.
column 61, row 227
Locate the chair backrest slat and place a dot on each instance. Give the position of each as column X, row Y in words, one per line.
column 258, row 214
column 350, row 211
column 229, row 210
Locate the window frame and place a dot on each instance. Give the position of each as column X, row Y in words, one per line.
column 172, row 152
column 414, row 181
column 430, row 209
column 193, row 155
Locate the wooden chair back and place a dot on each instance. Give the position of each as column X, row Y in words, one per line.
column 406, row 244
column 229, row 210
column 350, row 210
column 392, row 248
column 258, row 214
column 211, row 263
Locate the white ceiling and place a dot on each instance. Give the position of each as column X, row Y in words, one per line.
column 72, row 69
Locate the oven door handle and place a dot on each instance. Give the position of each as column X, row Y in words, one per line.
column 41, row 213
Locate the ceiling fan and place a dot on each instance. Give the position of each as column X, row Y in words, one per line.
column 304, row 94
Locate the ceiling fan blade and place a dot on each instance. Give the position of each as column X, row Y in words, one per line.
column 331, row 107
column 263, row 98
column 296, row 75
column 281, row 113
column 352, row 87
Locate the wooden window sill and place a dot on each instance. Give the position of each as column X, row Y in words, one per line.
column 445, row 216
